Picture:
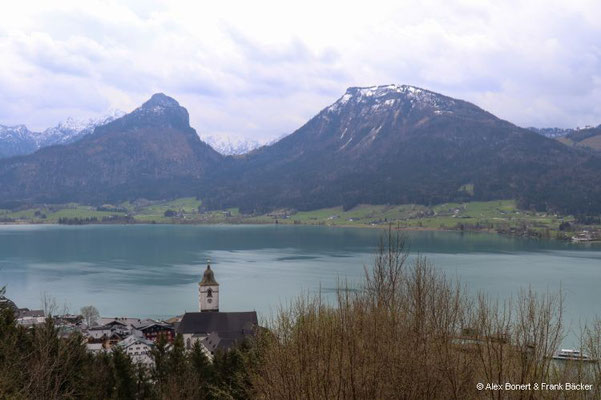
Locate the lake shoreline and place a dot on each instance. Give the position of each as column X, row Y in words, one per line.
column 148, row 270
column 357, row 226
column 502, row 217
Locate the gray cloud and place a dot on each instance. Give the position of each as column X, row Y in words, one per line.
column 260, row 70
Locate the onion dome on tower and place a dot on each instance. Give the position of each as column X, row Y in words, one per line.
column 208, row 291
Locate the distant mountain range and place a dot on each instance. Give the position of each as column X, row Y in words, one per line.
column 389, row 144
column 232, row 147
column 589, row 136
column 18, row 140
column 151, row 152
column 552, row 133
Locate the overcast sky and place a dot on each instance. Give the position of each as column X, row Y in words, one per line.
column 261, row 69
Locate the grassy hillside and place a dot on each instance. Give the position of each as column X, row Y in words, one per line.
column 589, row 138
column 501, row 216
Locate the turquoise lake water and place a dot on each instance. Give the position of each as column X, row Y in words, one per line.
column 153, row 270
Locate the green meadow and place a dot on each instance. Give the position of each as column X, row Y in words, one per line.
column 496, row 216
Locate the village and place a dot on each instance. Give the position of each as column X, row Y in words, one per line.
column 212, row 329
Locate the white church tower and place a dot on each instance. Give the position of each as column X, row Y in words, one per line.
column 208, row 291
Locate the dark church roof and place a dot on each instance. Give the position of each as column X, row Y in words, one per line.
column 208, row 279
column 222, row 341
column 220, row 322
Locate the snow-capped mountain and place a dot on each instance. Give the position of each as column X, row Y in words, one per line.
column 149, row 153
column 230, row 146
column 18, row 140
column 390, row 96
column 392, row 144
column 73, row 129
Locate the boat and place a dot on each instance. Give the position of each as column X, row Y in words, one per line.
column 572, row 355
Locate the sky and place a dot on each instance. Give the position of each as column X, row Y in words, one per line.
column 261, row 69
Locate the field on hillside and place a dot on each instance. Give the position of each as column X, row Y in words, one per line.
column 501, row 216
column 474, row 215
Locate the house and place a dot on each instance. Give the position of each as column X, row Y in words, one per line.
column 27, row 317
column 69, row 319
column 215, row 330
column 584, row 236
column 97, row 348
column 108, row 335
column 138, row 349
column 99, row 333
column 124, row 321
column 150, row 330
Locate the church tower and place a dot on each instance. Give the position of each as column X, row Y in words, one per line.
column 208, row 291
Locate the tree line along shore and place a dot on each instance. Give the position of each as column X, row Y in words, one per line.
column 502, row 216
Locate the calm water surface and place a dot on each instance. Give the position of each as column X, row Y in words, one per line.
column 153, row 270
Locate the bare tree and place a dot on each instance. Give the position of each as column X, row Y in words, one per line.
column 49, row 304
column 90, row 315
column 411, row 333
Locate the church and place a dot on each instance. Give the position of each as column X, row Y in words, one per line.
column 214, row 329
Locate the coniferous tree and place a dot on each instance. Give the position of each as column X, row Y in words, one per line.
column 125, row 377
column 101, row 379
column 13, row 347
column 144, row 384
column 160, row 370
column 201, row 365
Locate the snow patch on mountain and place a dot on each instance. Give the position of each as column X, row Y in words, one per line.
column 73, row 129
column 18, row 140
column 386, row 96
column 231, row 145
column 13, row 132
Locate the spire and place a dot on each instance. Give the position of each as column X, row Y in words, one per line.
column 208, row 291
column 208, row 278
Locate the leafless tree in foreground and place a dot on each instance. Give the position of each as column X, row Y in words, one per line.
column 412, row 333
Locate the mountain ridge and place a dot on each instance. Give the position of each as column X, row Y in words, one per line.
column 17, row 140
column 396, row 144
column 150, row 152
column 387, row 144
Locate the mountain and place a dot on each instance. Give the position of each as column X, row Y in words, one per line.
column 589, row 137
column 73, row 129
column 400, row 144
column 392, row 144
column 151, row 153
column 552, row 133
column 231, row 146
column 18, row 140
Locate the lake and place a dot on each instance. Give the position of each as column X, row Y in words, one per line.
column 153, row 270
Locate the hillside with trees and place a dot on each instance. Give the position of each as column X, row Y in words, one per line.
column 392, row 144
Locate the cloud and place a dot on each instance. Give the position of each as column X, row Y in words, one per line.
column 260, row 69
